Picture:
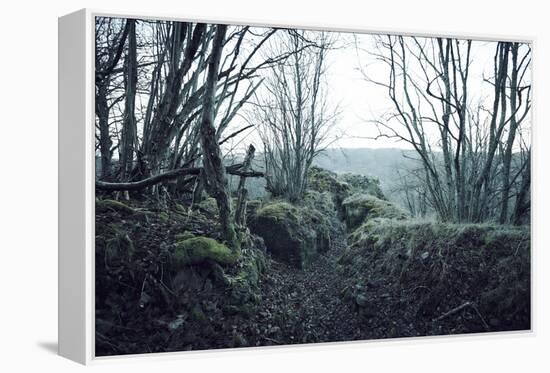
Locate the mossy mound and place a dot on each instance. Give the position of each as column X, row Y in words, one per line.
column 208, row 205
column 320, row 201
column 244, row 284
column 252, row 206
column 171, row 274
column 425, row 269
column 184, row 236
column 199, row 250
column 111, row 205
column 363, row 184
column 113, row 246
column 361, row 207
column 321, row 180
column 292, row 234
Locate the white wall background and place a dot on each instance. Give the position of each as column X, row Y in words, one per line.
column 28, row 185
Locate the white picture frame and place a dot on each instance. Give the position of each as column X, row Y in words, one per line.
column 77, row 172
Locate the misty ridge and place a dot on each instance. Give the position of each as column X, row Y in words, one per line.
column 248, row 194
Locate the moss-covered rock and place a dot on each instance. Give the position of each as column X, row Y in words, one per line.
column 361, row 207
column 321, row 180
column 111, row 205
column 245, row 284
column 292, row 234
column 208, row 205
column 184, row 236
column 252, row 206
column 320, row 201
column 113, row 245
column 164, row 216
column 363, row 184
column 198, row 250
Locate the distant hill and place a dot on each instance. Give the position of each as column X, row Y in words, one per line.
column 382, row 163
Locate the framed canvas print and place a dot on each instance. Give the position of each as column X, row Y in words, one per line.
column 227, row 185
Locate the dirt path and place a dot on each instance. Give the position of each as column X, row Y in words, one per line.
column 304, row 306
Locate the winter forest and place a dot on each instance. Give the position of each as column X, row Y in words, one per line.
column 268, row 186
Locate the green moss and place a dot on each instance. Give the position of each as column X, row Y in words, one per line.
column 320, row 201
column 119, row 247
column 281, row 211
column 199, row 250
column 106, row 205
column 253, row 206
column 363, row 184
column 321, row 180
column 293, row 234
column 197, row 313
column 184, row 236
column 180, row 208
column 361, row 207
column 483, row 263
column 208, row 205
column 164, row 216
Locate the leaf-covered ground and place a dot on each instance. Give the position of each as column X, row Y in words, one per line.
column 371, row 287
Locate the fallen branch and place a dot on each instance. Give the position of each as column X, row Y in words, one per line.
column 460, row 308
column 169, row 175
column 272, row 340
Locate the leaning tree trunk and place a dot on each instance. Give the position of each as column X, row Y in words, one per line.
column 214, row 170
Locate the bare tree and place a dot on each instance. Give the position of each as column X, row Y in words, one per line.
column 428, row 85
column 110, row 40
column 292, row 112
column 161, row 79
column 129, row 129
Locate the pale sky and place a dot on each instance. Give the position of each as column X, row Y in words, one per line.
column 361, row 101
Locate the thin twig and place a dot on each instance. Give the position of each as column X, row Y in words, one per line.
column 460, row 308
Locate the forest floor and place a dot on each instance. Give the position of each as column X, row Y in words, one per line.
column 306, row 306
column 141, row 308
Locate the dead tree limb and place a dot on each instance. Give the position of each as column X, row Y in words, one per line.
column 170, row 175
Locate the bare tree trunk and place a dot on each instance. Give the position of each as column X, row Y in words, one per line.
column 103, row 73
column 295, row 114
column 242, row 192
column 129, row 125
column 522, row 204
column 214, row 170
column 105, row 142
column 481, row 189
column 507, row 157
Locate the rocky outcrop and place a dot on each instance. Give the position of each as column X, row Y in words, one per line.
column 292, row 234
column 363, row 184
column 324, row 181
column 361, row 207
